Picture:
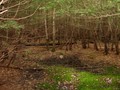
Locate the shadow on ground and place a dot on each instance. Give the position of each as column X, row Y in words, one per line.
column 75, row 62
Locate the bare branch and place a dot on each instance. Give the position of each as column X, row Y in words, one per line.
column 1, row 2
column 21, row 3
column 105, row 16
column 21, row 17
column 17, row 11
column 3, row 12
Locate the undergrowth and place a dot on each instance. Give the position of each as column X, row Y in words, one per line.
column 65, row 78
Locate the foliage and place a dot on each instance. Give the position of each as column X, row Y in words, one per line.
column 11, row 25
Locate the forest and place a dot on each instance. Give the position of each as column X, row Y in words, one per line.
column 59, row 44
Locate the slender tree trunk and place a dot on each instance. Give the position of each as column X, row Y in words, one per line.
column 112, row 42
column 117, row 48
column 106, row 47
column 7, row 35
column 84, row 43
column 53, row 49
column 46, row 32
column 95, row 41
column 116, row 43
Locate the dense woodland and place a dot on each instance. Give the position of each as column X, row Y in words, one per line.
column 59, row 25
column 63, row 23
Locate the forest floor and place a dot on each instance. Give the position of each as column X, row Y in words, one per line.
column 79, row 69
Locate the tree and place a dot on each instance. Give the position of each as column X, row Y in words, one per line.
column 64, row 21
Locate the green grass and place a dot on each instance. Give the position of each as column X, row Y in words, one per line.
column 81, row 80
column 61, row 74
column 46, row 86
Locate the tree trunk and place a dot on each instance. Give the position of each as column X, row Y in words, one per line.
column 53, row 49
column 46, row 32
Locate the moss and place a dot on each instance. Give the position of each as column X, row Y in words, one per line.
column 81, row 80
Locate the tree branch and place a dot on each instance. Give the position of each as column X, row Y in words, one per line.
column 105, row 16
column 1, row 2
column 3, row 12
column 21, row 17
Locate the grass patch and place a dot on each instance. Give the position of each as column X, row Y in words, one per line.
column 46, row 86
column 59, row 77
column 61, row 74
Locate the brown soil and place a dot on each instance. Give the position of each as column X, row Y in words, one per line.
column 16, row 79
column 29, row 71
